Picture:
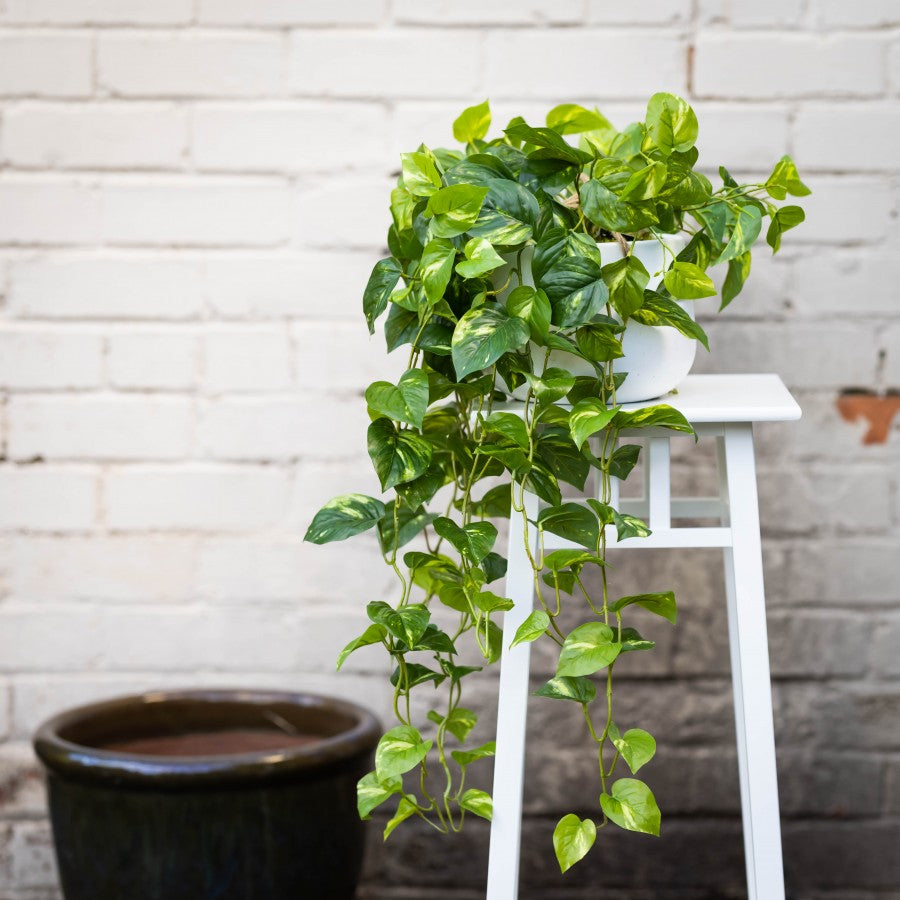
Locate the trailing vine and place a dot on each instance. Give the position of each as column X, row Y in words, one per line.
column 496, row 283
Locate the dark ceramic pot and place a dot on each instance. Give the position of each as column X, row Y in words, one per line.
column 270, row 824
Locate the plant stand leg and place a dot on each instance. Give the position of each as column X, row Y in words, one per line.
column 506, row 825
column 750, row 668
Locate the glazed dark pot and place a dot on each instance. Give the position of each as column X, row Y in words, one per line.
column 278, row 823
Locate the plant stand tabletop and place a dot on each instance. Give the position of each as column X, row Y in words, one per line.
column 723, row 407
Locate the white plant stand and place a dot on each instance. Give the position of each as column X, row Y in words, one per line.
column 724, row 407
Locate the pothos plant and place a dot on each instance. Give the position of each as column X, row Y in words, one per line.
column 479, row 321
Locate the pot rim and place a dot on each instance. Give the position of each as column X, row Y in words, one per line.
column 68, row 759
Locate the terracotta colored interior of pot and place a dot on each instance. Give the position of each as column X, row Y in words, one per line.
column 195, row 727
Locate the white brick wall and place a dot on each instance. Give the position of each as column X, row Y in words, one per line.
column 192, row 194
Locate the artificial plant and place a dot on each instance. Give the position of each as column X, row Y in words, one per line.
column 459, row 298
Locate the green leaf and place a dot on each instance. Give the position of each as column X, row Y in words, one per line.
column 483, row 335
column 604, row 208
column 784, row 219
column 477, row 802
column 548, row 139
column 660, row 416
column 378, row 290
column 636, row 746
column 510, row 426
column 481, row 258
column 415, row 674
column 420, row 175
column 342, row 517
column 671, row 122
column 744, row 232
column 454, row 209
column 436, row 267
column 466, row 757
column 496, row 503
column 785, row 179
column 374, row 634
column 632, row 641
column 472, row 123
column 459, row 723
column 398, row 751
column 371, row 792
column 662, row 604
column 686, row 281
column 474, row 540
column 532, row 628
column 630, row 526
column 632, row 806
column 575, row 288
column 508, row 215
column 598, row 342
column 587, row 649
column 589, row 416
column 661, row 311
column 406, row 623
column 645, row 184
column 578, row 689
column 738, row 271
column 406, row 402
column 488, row 602
column 398, row 456
column 573, row 522
column 626, row 279
column 410, row 521
column 623, row 460
column 572, row 838
column 405, row 808
column 570, row 118
column 533, row 306
column 570, row 559
column 553, row 385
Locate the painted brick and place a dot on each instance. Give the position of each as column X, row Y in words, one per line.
column 206, row 213
column 198, row 497
column 99, row 427
column 890, row 340
column 290, row 137
column 21, row 782
column 379, row 64
column 741, row 137
column 96, row 12
column 818, row 645
column 43, row 498
column 825, row 498
column 610, row 61
column 845, row 210
column 894, row 67
column 285, row 12
column 823, row 283
column 764, row 14
column 48, row 210
column 244, row 359
column 828, row 138
column 152, row 359
column 321, row 218
column 41, row 358
column 52, row 64
column 884, row 653
column 317, row 285
column 654, row 12
column 787, row 65
column 31, row 851
column 100, row 568
column 100, row 286
column 95, row 136
column 253, row 428
column 317, row 482
column 805, row 355
column 871, row 14
column 500, row 12
column 178, row 65
column 344, row 357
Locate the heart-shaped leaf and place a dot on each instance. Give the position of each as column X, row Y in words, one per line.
column 405, row 402
column 637, row 746
column 342, row 517
column 398, row 456
column 532, row 628
column 631, row 805
column 587, row 649
column 589, row 416
column 398, row 751
column 572, row 838
column 483, row 335
column 477, row 802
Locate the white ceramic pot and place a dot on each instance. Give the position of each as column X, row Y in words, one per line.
column 656, row 359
